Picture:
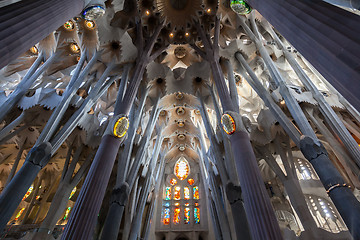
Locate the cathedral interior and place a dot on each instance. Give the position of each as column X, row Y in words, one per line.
column 180, row 119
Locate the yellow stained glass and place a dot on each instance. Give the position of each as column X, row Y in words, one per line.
column 177, row 215
column 191, row 181
column 19, row 214
column 67, row 212
column 72, row 192
column 173, row 181
column 186, row 193
column 196, row 192
column 177, row 193
column 182, row 168
column 29, row 191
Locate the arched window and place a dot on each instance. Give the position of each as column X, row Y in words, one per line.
column 304, row 170
column 181, row 197
column 325, row 214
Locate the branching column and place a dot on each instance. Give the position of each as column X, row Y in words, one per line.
column 330, row 39
column 259, row 212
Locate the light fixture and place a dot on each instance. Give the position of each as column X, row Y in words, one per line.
column 34, row 50
column 171, row 35
column 89, row 24
column 147, row 12
column 228, row 123
column 179, row 96
column 187, row 34
column 240, row 7
column 74, row 48
column 208, row 10
column 93, row 12
column 121, row 126
column 69, row 25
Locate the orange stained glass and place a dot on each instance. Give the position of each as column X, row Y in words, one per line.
column 196, row 204
column 177, row 204
column 29, row 191
column 187, row 215
column 166, row 216
column 177, row 215
column 186, row 204
column 173, row 181
column 182, row 168
column 196, row 192
column 186, row 193
column 191, row 181
column 167, row 193
column 177, row 193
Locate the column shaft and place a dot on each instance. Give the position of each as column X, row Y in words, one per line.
column 27, row 22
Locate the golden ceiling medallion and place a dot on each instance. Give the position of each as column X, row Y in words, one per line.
column 228, row 123
column 120, row 127
column 180, row 111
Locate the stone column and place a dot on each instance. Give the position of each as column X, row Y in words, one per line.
column 11, row 196
column 344, row 200
column 329, row 40
column 25, row 23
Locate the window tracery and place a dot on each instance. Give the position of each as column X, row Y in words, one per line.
column 325, row 214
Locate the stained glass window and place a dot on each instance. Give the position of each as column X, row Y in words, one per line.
column 177, row 204
column 196, row 204
column 166, row 204
column 196, row 192
column 182, row 168
column 173, row 181
column 186, row 193
column 67, row 212
column 177, row 215
column 29, row 191
column 177, row 193
column 197, row 215
column 186, row 204
column 191, row 181
column 19, row 214
column 167, row 193
column 72, row 192
column 166, row 216
column 187, row 215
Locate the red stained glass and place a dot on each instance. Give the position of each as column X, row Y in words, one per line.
column 191, row 181
column 173, row 181
column 177, row 215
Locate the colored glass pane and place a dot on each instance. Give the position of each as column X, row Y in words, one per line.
column 197, row 215
column 191, row 181
column 166, row 216
column 196, row 192
column 173, row 181
column 19, row 214
column 177, row 193
column 187, row 215
column 166, row 204
column 37, row 197
column 196, row 204
column 29, row 191
column 67, row 212
column 186, row 193
column 186, row 204
column 177, row 215
column 167, row 193
column 182, row 168
column 72, row 192
column 177, row 204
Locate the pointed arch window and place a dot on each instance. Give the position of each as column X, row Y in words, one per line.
column 182, row 168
